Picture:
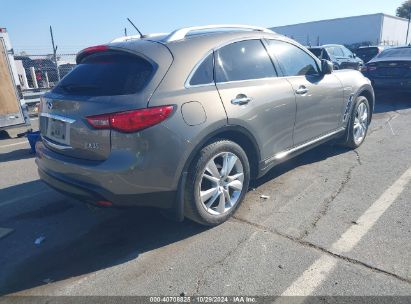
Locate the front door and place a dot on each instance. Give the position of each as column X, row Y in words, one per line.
column 254, row 97
column 319, row 97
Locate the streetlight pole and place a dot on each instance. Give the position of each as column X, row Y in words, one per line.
column 55, row 53
column 409, row 21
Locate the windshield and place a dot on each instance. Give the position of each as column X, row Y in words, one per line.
column 367, row 54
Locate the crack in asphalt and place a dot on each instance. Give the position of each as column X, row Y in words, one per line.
column 321, row 249
column 391, row 117
column 329, row 200
column 200, row 281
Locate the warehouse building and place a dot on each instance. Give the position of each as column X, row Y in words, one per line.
column 375, row 29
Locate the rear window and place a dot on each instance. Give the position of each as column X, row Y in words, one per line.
column 405, row 52
column 367, row 53
column 107, row 74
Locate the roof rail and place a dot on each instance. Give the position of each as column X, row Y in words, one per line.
column 182, row 33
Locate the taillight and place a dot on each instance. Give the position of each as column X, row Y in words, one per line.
column 99, row 121
column 369, row 68
column 131, row 121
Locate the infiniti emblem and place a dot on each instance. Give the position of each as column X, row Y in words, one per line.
column 49, row 105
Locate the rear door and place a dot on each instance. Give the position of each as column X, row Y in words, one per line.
column 10, row 108
column 104, row 82
column 353, row 63
column 253, row 96
column 319, row 97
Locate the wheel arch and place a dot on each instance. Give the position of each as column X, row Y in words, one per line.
column 367, row 92
column 237, row 134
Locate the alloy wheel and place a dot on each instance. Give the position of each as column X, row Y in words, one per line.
column 360, row 123
column 221, row 183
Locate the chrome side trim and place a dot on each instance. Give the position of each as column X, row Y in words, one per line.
column 55, row 146
column 182, row 33
column 58, row 117
column 285, row 153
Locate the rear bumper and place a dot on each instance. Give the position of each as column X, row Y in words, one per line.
column 92, row 194
column 117, row 180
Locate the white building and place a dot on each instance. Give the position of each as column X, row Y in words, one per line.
column 372, row 29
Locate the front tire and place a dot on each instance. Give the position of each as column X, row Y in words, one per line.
column 217, row 182
column 358, row 124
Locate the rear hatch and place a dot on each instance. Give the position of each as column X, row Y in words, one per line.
column 107, row 79
column 367, row 53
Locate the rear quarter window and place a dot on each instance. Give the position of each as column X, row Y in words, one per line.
column 204, row 73
column 107, row 74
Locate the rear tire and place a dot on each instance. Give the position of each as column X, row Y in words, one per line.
column 358, row 124
column 217, row 183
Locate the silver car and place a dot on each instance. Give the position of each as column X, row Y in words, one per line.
column 183, row 121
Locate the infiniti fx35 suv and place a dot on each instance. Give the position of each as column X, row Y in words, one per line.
column 184, row 121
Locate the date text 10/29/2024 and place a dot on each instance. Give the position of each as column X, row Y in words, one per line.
column 203, row 299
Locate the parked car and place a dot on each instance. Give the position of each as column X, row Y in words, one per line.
column 41, row 66
column 65, row 69
column 183, row 121
column 391, row 69
column 339, row 55
column 27, row 63
column 366, row 53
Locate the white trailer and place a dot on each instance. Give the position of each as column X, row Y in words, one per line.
column 375, row 29
column 12, row 105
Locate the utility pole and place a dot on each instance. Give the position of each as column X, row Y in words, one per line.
column 409, row 21
column 54, row 53
column 125, row 31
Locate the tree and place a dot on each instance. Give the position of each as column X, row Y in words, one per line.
column 404, row 10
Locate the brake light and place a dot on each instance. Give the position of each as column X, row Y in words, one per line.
column 131, row 121
column 95, row 49
column 90, row 50
column 104, row 203
column 368, row 68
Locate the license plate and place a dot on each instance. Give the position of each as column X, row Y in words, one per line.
column 58, row 131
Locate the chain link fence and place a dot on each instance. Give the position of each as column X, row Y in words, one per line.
column 43, row 72
column 40, row 73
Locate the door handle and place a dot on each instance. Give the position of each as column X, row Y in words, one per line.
column 241, row 99
column 301, row 90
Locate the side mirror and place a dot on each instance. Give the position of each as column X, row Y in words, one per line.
column 354, row 55
column 326, row 67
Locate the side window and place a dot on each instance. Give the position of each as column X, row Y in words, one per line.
column 335, row 51
column 204, row 72
column 293, row 60
column 243, row 60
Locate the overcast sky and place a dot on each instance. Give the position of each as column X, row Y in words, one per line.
column 81, row 23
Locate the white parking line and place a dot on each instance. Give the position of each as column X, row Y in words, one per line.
column 24, row 197
column 15, row 144
column 318, row 271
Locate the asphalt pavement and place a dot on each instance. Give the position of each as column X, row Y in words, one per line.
column 336, row 222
